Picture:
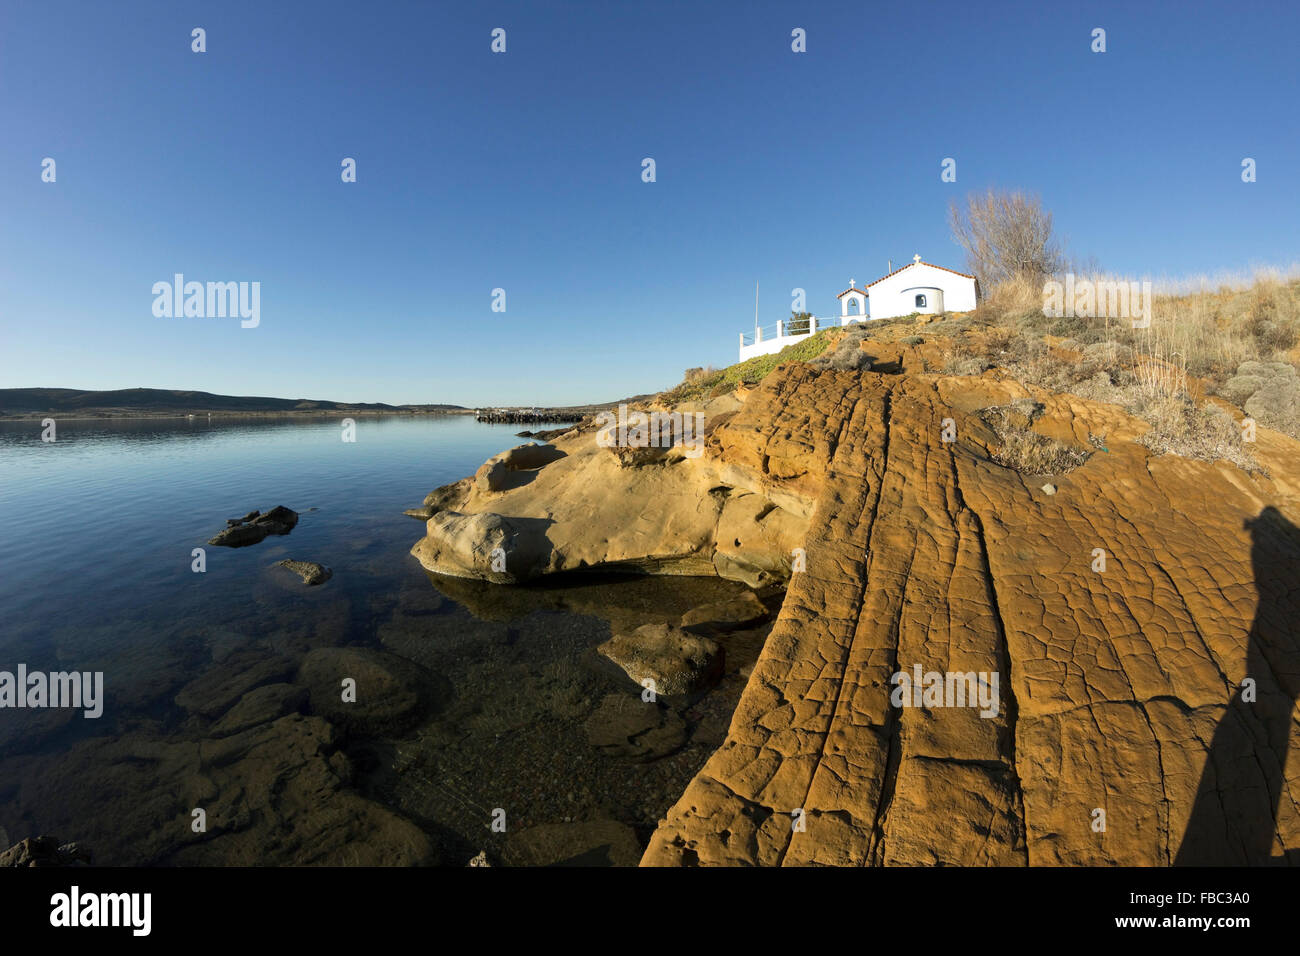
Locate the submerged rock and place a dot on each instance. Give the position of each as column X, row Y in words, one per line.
column 589, row 843
column 276, row 794
column 311, row 573
column 391, row 693
column 254, row 526
column 677, row 661
column 1116, row 688
column 218, row 689
column 45, row 851
column 261, row 706
column 625, row 726
column 743, row 611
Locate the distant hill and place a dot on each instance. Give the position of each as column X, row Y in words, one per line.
column 18, row 401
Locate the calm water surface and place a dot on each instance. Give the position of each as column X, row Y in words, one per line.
column 517, row 717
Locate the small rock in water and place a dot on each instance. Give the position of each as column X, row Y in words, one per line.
column 677, row 661
column 728, row 615
column 625, row 726
column 44, row 851
column 397, row 694
column 255, row 526
column 480, row 860
column 310, row 572
column 600, row 842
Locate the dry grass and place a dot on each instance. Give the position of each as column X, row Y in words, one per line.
column 1030, row 453
column 1203, row 432
column 1010, row 300
column 960, row 363
column 1239, row 341
column 1160, row 369
column 1026, row 450
column 1217, row 331
column 1224, row 281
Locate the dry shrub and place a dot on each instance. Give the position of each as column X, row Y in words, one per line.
column 1025, row 450
column 846, row 353
column 1180, row 427
column 1033, row 454
column 1161, row 370
column 1007, row 236
column 957, row 363
column 1016, row 296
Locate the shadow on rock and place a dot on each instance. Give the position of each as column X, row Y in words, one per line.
column 1234, row 818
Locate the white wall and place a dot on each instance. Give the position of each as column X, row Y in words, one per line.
column 932, row 296
column 770, row 346
column 854, row 306
column 897, row 295
column 775, row 344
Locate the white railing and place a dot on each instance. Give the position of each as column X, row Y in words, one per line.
column 765, row 334
column 802, row 328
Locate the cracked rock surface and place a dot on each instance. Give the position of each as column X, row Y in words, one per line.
column 1146, row 697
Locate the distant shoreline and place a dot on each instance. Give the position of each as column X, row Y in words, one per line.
column 488, row 415
column 67, row 404
column 94, row 415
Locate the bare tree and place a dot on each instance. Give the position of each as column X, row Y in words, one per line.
column 1006, row 236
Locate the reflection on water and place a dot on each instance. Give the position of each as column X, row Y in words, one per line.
column 474, row 702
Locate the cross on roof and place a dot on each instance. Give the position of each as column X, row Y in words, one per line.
column 916, row 258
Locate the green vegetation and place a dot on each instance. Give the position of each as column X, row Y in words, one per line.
column 707, row 383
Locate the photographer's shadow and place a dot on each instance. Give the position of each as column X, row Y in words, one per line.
column 1234, row 818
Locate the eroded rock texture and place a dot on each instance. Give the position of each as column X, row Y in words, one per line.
column 1146, row 709
column 1121, row 689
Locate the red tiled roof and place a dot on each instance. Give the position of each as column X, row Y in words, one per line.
column 850, row 289
column 910, row 264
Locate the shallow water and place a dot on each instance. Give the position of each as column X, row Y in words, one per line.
column 521, row 721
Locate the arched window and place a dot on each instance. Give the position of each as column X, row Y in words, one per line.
column 920, row 301
column 853, row 304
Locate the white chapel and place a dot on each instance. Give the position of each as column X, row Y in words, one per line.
column 919, row 287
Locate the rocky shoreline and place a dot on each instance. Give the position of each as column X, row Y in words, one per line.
column 546, row 416
column 900, row 547
column 466, row 699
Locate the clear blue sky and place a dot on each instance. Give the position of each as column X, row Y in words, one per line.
column 523, row 171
